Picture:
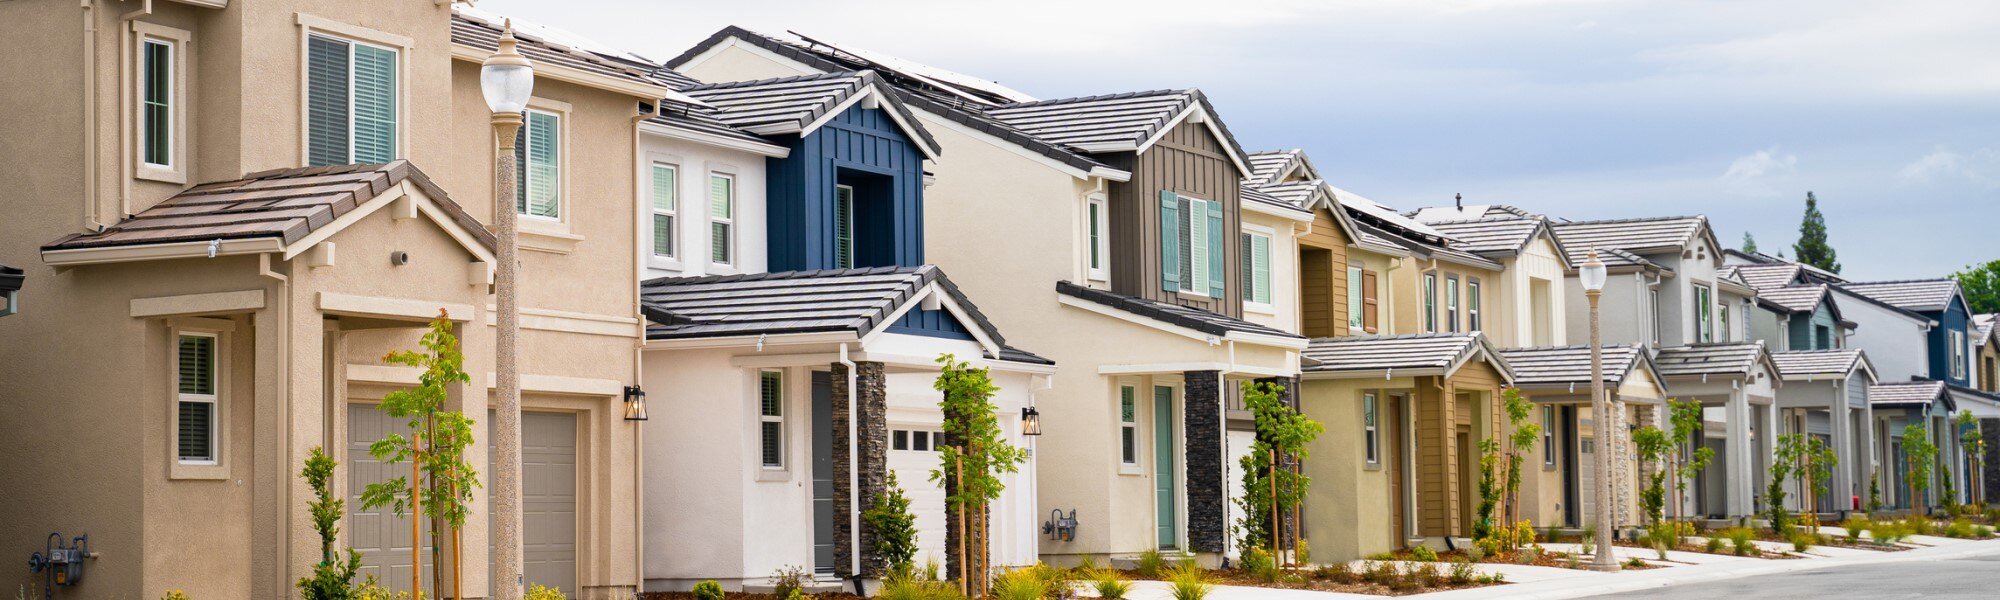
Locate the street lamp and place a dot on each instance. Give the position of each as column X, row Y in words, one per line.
column 1593, row 275
column 507, row 80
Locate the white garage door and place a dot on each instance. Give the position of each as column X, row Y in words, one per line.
column 912, row 456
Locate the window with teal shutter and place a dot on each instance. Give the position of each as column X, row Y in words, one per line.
column 327, row 110
column 666, row 206
column 1255, row 261
column 351, row 102
column 721, row 218
column 843, row 227
column 1170, row 238
column 1201, row 248
column 1216, row 243
column 538, row 164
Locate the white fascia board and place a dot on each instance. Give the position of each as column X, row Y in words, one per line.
column 771, row 150
column 1107, row 147
column 1114, row 313
column 734, row 42
column 912, row 131
column 1111, row 174
column 195, row 249
column 646, row 91
column 425, row 205
column 1275, row 211
column 1372, row 373
column 739, row 341
column 1208, row 120
column 1263, row 339
column 979, row 336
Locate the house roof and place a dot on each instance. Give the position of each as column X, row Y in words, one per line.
column 1252, row 194
column 1637, row 236
column 1124, row 122
column 479, row 30
column 1920, row 393
column 795, row 105
column 1729, row 359
column 1565, row 366
column 1497, row 234
column 285, row 204
column 1469, row 212
column 1771, row 275
column 1919, row 295
column 841, row 300
column 1794, row 298
column 701, row 119
column 1268, row 167
column 1614, row 259
column 1192, row 318
column 11, row 278
column 1806, row 364
column 1862, row 298
column 1367, row 354
column 1383, row 215
column 1983, row 327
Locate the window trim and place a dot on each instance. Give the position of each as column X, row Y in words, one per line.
column 1549, row 437
column 560, row 111
column 221, row 330
column 1452, row 297
column 1248, row 264
column 836, row 231
column 1096, row 238
column 1195, row 218
column 1474, row 292
column 1704, row 327
column 1356, row 302
column 311, row 25
column 708, row 195
column 672, row 258
column 1130, row 465
column 1371, row 429
column 784, row 435
column 179, row 94
column 1430, row 299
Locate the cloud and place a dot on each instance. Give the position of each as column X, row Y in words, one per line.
column 1981, row 167
column 1751, row 174
column 1938, row 162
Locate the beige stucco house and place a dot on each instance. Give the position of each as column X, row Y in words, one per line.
column 243, row 205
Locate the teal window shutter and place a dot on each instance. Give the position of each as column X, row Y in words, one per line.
column 1216, row 244
column 374, row 105
column 326, row 102
column 1170, row 242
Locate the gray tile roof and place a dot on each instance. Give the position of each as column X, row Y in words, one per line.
column 928, row 80
column 1983, row 327
column 1796, row 298
column 1847, row 294
column 1490, row 236
column 1637, row 236
column 287, row 204
column 1251, row 194
column 1192, row 318
column 477, row 33
column 701, row 119
column 1296, row 193
column 1729, row 359
column 1378, row 236
column 1267, row 165
column 1562, row 366
column 1771, row 275
column 1370, row 353
column 11, row 278
column 1112, row 122
column 786, row 105
column 1801, row 364
column 1921, row 295
column 1907, row 393
column 1613, row 258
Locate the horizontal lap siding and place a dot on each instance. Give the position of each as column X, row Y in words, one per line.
column 1191, row 161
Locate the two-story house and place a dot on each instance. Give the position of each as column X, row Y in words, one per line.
column 1123, row 231
column 797, row 339
column 1949, row 353
column 241, row 265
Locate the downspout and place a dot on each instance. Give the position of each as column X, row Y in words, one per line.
column 126, row 94
column 92, row 220
column 853, row 473
column 639, row 254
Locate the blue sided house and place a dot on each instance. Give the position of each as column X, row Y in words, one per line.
column 1950, row 341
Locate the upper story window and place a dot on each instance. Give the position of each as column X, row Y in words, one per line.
column 1191, row 237
column 159, row 94
column 1957, row 354
column 1199, row 248
column 1728, row 329
column 1354, row 308
column 196, row 415
column 771, row 418
column 1256, row 258
column 1704, row 303
column 722, row 218
column 1653, row 324
column 843, row 226
column 351, row 101
column 1549, row 435
column 1094, row 237
column 1451, row 303
column 538, row 164
column 1472, row 319
column 666, row 201
column 1430, row 302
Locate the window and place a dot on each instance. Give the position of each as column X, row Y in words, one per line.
column 1451, row 303
column 843, row 226
column 1430, row 302
column 1654, row 323
column 538, row 164
column 1094, row 231
column 1198, row 246
column 1128, row 426
column 1354, row 300
column 156, row 99
column 1472, row 305
column 666, row 206
column 1370, row 439
column 1256, row 268
column 196, row 355
column 721, row 218
column 1191, row 237
column 1704, row 302
column 1957, row 354
column 1549, row 435
column 915, row 440
column 771, row 417
column 1728, row 329
column 351, row 102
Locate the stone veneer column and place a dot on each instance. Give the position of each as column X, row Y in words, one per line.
column 872, row 435
column 1989, row 464
column 1290, row 396
column 1203, row 439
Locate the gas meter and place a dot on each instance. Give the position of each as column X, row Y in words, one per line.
column 61, row 564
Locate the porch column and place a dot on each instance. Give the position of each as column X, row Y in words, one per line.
column 1864, row 452
column 1840, row 416
column 1736, row 451
column 1767, row 445
column 1207, row 492
column 871, row 435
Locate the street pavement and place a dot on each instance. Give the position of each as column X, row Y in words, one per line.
column 1947, row 579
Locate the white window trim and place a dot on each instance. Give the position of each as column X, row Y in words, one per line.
column 1196, row 219
column 1704, row 326
column 561, row 111
column 221, row 330
column 852, row 201
column 1452, row 297
column 1270, row 256
column 784, row 429
column 1475, row 301
column 1430, row 301
column 1356, row 303
column 1371, row 433
column 179, row 95
column 313, row 25
column 1102, row 270
column 735, row 208
column 1136, row 465
column 1548, row 437
column 671, row 260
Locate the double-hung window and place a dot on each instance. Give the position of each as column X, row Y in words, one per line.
column 1451, row 303
column 722, row 218
column 666, row 209
column 196, row 355
column 771, row 418
column 1704, row 302
column 1957, row 354
column 1128, row 426
column 1095, row 238
column 1191, row 239
column 843, row 226
column 351, row 101
column 1472, row 321
column 1430, row 302
column 158, row 69
column 1728, row 330
column 538, row 164
column 1256, row 258
column 1354, row 300
column 1198, row 245
column 1371, row 438
column 1549, row 435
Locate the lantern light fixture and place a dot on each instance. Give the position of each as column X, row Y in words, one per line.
column 635, row 403
column 1031, row 421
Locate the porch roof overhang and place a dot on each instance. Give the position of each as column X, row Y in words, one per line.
column 1205, row 326
column 1389, row 357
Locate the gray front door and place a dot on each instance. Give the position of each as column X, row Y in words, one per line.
column 548, row 500
column 822, row 471
column 1163, row 466
column 382, row 538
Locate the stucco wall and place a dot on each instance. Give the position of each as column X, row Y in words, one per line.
column 694, row 163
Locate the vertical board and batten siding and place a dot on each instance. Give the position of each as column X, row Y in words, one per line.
column 1188, row 161
column 1953, row 318
column 1323, row 279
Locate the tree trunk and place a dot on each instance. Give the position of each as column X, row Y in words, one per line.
column 964, row 564
column 437, row 548
column 1271, row 527
column 416, row 527
column 457, row 544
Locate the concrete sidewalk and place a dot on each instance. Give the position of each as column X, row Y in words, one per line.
column 1628, row 581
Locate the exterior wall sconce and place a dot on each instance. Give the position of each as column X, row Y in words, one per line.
column 1031, row 421
column 635, row 403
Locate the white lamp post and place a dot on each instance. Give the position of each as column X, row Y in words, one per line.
column 507, row 81
column 1593, row 275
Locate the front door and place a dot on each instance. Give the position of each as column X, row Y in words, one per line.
column 548, row 500
column 1163, row 466
column 822, row 471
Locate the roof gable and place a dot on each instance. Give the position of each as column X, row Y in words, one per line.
column 1731, row 359
column 1810, row 365
column 1566, row 367
column 1439, row 354
column 800, row 105
column 1639, row 237
column 1918, row 295
column 560, row 55
column 1125, row 122
column 821, row 55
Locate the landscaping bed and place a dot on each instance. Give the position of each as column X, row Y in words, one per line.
column 745, row 596
column 1378, row 578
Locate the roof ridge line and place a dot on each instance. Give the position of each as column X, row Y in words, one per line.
column 1111, row 96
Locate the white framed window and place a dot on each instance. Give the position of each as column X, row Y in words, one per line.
column 666, row 205
column 1728, row 329
column 771, row 418
column 1256, row 267
column 1128, row 426
column 1430, row 302
column 1653, row 298
column 1472, row 300
column 1957, row 354
column 1451, row 303
column 1354, row 299
column 1098, row 243
column 843, row 226
column 721, row 218
column 1371, row 438
column 1549, row 435
column 1197, row 272
column 353, row 101
column 915, row 440
column 197, row 360
column 538, row 166
column 1704, row 302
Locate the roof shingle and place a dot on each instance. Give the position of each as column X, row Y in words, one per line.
column 1802, row 364
column 1797, row 298
column 1637, row 236
column 1112, row 122
column 1370, row 353
column 1734, row 358
column 1921, row 295
column 1907, row 393
column 478, row 33
column 1772, row 275
column 1559, row 366
column 786, row 105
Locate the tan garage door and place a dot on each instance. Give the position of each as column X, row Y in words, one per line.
column 382, row 538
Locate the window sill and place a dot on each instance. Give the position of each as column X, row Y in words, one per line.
column 159, row 174
column 1260, row 308
column 664, row 263
column 1130, row 469
column 549, row 240
column 1186, row 295
column 722, row 269
column 197, row 472
column 1371, row 466
column 770, row 474
column 1099, row 276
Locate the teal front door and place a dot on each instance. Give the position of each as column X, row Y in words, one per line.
column 1163, row 466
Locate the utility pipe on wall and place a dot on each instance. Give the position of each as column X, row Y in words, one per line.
column 853, row 473
column 91, row 220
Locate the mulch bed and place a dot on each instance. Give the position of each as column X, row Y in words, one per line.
column 1306, row 579
column 1548, row 558
column 1728, row 549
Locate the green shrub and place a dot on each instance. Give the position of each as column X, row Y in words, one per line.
column 1921, row 526
column 1959, row 528
column 708, row 590
column 1589, row 540
column 894, row 526
column 1382, row 556
column 1714, row 545
column 1110, row 587
column 1404, row 586
column 1019, row 584
column 1854, row 527
column 1338, row 573
column 537, row 592
column 1057, row 583
column 1303, row 553
column 1739, row 541
column 1259, row 564
column 1189, row 582
column 1382, row 573
column 1423, row 554
column 1461, row 573
column 1572, row 561
column 171, row 595
column 925, row 587
column 1802, row 541
column 1495, row 577
column 789, row 579
column 1635, row 562
column 1887, row 532
column 1425, row 575
column 1151, row 564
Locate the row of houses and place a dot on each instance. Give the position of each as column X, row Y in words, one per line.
column 231, row 211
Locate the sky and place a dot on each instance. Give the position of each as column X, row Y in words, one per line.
column 1889, row 112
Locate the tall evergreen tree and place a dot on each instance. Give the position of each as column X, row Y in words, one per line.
column 1749, row 243
column 1812, row 248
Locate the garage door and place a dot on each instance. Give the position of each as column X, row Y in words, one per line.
column 912, row 456
column 382, row 539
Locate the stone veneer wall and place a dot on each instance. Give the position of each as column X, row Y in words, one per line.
column 872, row 434
column 1990, row 464
column 1207, row 492
column 1286, row 521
